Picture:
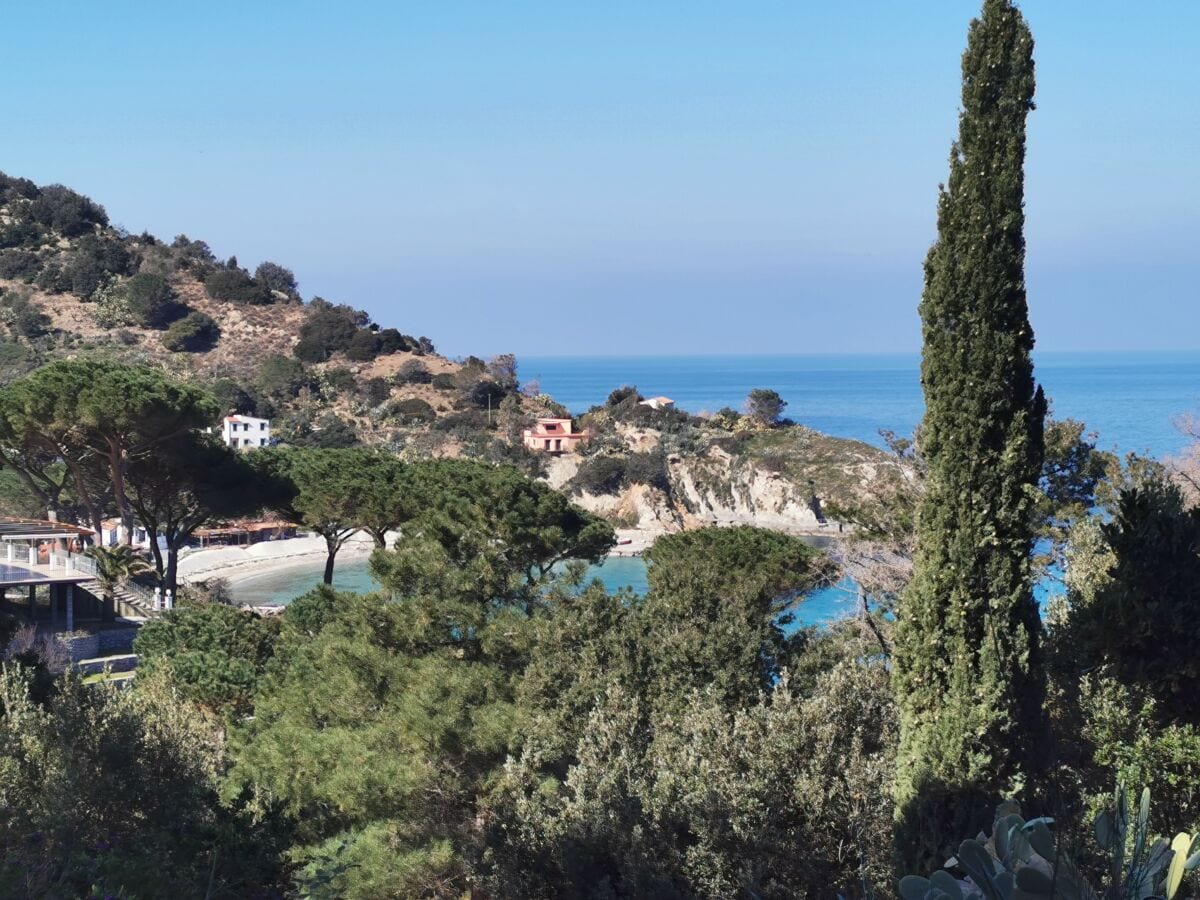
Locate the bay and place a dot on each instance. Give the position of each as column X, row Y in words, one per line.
column 1129, row 399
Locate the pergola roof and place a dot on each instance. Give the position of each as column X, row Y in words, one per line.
column 12, row 529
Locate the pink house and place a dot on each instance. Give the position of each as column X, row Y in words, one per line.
column 553, row 436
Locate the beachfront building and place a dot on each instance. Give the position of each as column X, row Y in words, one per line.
column 245, row 532
column 245, row 432
column 659, row 403
column 43, row 574
column 554, row 436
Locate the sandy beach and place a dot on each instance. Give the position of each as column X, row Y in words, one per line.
column 241, row 566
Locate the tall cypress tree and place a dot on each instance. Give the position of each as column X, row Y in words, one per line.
column 967, row 671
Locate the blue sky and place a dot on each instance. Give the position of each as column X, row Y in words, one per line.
column 622, row 177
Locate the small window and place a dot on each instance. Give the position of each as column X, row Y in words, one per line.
column 262, row 426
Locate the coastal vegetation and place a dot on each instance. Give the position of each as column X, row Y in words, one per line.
column 489, row 723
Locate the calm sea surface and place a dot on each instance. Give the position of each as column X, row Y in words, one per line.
column 1129, row 399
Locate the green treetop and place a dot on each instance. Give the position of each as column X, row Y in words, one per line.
column 97, row 416
column 320, row 488
column 967, row 667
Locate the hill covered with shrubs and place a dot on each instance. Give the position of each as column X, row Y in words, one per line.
column 72, row 283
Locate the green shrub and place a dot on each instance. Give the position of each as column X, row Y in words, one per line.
column 19, row 264
column 23, row 316
column 337, row 380
column 604, row 474
column 151, row 302
column 232, row 396
column 1142, row 623
column 194, row 333
column 392, row 341
column 53, row 280
column 413, row 372
column 67, row 212
column 600, row 475
column 647, row 468
column 276, row 278
column 363, row 346
column 444, row 381
column 20, row 233
column 236, row 286
column 622, row 394
column 15, row 360
column 467, row 421
column 376, row 391
column 330, row 432
column 281, row 378
column 107, row 253
column 328, row 329
column 86, row 276
column 486, row 394
column 212, row 654
column 412, row 411
column 192, row 256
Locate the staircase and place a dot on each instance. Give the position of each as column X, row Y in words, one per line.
column 129, row 599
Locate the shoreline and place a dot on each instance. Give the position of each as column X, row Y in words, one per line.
column 244, row 567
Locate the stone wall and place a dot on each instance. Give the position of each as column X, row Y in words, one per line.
column 88, row 643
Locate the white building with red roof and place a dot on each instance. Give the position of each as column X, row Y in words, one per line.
column 246, row 432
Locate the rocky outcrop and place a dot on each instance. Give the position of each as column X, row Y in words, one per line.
column 792, row 480
column 717, row 489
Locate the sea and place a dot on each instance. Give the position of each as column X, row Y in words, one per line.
column 1130, row 401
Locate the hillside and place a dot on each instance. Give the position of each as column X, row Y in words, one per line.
column 71, row 283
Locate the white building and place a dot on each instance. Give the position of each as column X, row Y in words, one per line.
column 246, row 432
column 659, row 403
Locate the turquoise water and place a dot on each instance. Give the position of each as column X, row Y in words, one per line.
column 616, row 573
column 1130, row 399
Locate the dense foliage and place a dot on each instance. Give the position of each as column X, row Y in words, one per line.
column 194, row 333
column 213, row 654
column 487, row 723
column 967, row 643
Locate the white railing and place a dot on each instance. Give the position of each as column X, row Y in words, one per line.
column 72, row 562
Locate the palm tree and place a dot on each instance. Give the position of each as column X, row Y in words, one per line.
column 114, row 567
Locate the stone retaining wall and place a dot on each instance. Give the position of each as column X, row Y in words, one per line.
column 90, row 643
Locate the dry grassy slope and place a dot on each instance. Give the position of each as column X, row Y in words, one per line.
column 249, row 334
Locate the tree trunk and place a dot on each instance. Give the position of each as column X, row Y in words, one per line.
column 172, row 569
column 333, row 547
column 155, row 551
column 86, row 499
column 116, row 469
